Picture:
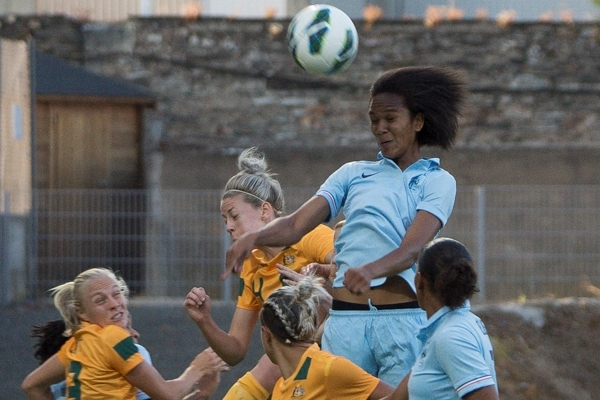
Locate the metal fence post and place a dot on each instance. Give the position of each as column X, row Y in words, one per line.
column 480, row 232
column 4, row 243
column 226, row 241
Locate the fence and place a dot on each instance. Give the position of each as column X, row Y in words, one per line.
column 526, row 240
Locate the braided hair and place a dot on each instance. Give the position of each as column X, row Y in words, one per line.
column 291, row 312
column 448, row 267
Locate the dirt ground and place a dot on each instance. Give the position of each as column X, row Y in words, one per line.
column 546, row 349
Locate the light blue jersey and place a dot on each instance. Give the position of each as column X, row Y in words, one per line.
column 140, row 395
column 457, row 357
column 380, row 201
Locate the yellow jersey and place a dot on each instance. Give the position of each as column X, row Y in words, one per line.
column 259, row 276
column 96, row 361
column 321, row 375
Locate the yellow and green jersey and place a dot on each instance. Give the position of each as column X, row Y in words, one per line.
column 321, row 375
column 259, row 276
column 96, row 361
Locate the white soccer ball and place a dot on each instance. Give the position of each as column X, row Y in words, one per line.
column 322, row 39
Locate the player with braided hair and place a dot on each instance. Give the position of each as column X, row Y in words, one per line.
column 290, row 319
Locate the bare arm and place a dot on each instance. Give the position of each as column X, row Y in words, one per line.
column 381, row 390
column 401, row 392
column 232, row 347
column 282, row 231
column 37, row 384
column 485, row 393
column 206, row 365
column 421, row 231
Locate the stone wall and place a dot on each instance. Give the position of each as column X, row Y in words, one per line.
column 533, row 114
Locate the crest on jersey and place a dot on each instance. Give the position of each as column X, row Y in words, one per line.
column 289, row 259
column 298, row 391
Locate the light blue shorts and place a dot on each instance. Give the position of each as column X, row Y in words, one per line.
column 382, row 342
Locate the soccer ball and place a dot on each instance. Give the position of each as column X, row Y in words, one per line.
column 322, row 39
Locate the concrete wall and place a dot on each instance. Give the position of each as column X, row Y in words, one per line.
column 224, row 85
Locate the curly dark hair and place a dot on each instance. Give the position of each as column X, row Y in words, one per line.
column 50, row 339
column 447, row 265
column 438, row 93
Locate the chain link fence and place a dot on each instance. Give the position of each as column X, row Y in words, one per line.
column 527, row 241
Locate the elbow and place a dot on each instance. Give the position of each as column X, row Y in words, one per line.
column 233, row 360
column 28, row 387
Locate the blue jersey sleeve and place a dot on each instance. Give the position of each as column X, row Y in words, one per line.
column 334, row 190
column 439, row 194
column 462, row 357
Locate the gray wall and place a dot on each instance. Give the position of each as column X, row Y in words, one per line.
column 224, row 85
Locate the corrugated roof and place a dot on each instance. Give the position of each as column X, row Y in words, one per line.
column 58, row 77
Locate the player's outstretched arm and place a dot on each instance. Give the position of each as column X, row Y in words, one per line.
column 205, row 365
column 282, row 231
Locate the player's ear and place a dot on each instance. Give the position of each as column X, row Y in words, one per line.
column 266, row 334
column 418, row 122
column 267, row 213
column 81, row 314
column 419, row 281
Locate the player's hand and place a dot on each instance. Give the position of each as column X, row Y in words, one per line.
column 239, row 250
column 322, row 270
column 291, row 277
column 211, row 366
column 209, row 363
column 357, row 280
column 197, row 304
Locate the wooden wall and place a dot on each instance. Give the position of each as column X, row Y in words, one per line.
column 88, row 145
column 15, row 127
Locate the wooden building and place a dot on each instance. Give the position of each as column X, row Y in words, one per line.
column 88, row 140
column 88, row 127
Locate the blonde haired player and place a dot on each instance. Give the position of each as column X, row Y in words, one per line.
column 100, row 360
column 251, row 199
column 290, row 318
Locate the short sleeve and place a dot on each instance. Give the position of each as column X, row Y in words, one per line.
column 122, row 352
column 62, row 353
column 460, row 356
column 317, row 244
column 439, row 194
column 334, row 190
